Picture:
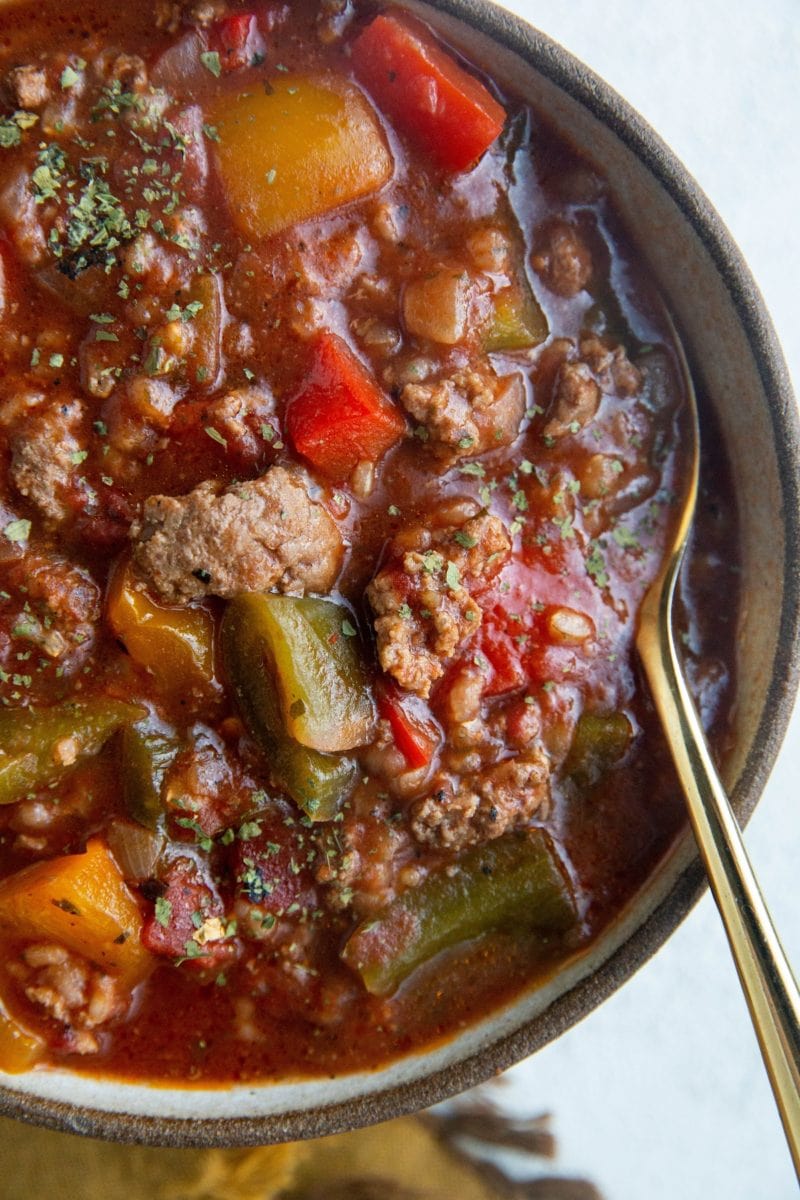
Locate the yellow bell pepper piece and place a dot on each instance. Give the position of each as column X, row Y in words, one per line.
column 175, row 644
column 80, row 901
column 296, row 152
column 19, row 1050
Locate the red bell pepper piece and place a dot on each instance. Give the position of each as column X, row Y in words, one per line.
column 237, row 41
column 340, row 417
column 422, row 89
column 415, row 736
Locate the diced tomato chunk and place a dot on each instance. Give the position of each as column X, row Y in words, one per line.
column 415, row 734
column 237, row 41
column 340, row 417
column 422, row 89
column 504, row 658
column 187, row 919
column 106, row 529
column 270, row 869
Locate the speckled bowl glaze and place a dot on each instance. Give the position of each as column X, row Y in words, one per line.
column 738, row 364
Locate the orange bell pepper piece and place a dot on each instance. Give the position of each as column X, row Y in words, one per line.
column 175, row 644
column 82, row 902
column 299, row 151
column 19, row 1049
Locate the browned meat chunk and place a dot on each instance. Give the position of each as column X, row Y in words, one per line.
column 561, row 258
column 204, row 785
column 167, row 15
column 358, row 862
column 500, row 798
column 170, row 13
column 245, row 418
column 468, row 412
column 206, row 11
column 45, row 455
column 412, row 645
column 232, row 412
column 577, row 377
column 611, row 367
column 127, row 69
column 576, row 399
column 421, row 599
column 29, row 86
column 250, row 537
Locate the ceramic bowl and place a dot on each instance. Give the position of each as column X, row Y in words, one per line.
column 738, row 365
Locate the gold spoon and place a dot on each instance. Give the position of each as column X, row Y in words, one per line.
column 764, row 972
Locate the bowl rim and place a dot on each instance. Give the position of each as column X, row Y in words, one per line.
column 558, row 65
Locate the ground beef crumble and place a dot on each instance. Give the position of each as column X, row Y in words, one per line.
column 422, row 602
column 70, row 990
column 496, row 800
column 466, row 412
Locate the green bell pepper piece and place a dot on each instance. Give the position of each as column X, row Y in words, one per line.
column 599, row 740
column 516, row 882
column 322, row 689
column 516, row 321
column 146, row 755
column 300, row 687
column 40, row 745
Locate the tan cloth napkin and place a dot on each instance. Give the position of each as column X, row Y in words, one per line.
column 412, row 1158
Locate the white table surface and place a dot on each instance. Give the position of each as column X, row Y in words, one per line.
column 660, row 1093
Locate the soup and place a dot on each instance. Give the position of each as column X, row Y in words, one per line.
column 341, row 432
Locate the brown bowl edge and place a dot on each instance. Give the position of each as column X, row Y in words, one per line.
column 558, row 65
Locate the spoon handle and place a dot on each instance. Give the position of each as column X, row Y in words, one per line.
column 766, row 977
